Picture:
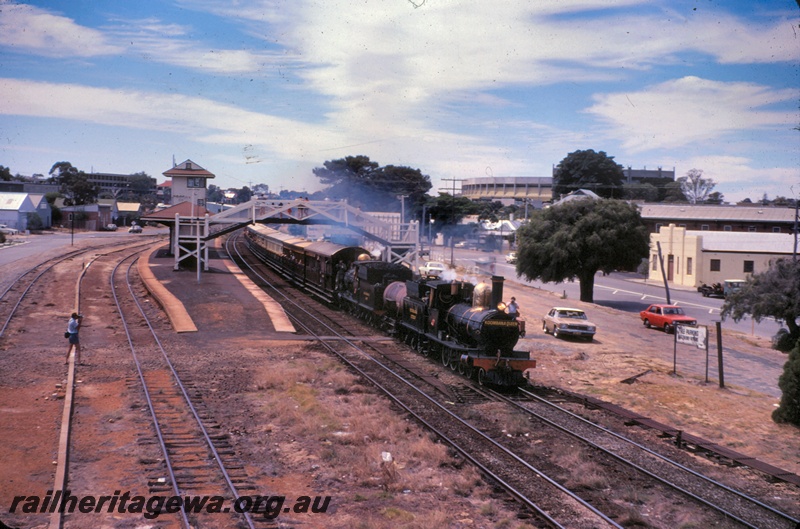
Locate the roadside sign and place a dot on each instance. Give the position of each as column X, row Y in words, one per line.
column 691, row 335
column 696, row 336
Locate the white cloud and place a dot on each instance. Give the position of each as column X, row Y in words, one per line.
column 688, row 110
column 25, row 28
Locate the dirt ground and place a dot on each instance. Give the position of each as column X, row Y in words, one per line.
column 737, row 416
column 303, row 424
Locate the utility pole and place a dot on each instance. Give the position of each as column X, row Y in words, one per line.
column 794, row 252
column 452, row 212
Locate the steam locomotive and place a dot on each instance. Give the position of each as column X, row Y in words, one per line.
column 461, row 324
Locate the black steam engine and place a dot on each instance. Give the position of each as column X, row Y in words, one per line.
column 463, row 325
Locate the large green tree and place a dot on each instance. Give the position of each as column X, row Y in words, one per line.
column 365, row 184
column 773, row 293
column 577, row 239
column 75, row 184
column 595, row 171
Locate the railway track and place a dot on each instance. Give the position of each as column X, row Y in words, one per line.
column 197, row 462
column 730, row 503
column 546, row 501
column 714, row 502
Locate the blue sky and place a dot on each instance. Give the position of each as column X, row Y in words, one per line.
column 263, row 91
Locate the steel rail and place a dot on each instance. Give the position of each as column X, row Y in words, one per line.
column 510, row 488
column 621, row 459
column 207, row 438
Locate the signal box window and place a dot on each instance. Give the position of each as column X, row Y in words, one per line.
column 715, row 265
column 748, row 267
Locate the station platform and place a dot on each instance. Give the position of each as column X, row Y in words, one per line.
column 223, row 299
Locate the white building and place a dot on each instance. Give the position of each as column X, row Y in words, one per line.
column 14, row 210
column 694, row 257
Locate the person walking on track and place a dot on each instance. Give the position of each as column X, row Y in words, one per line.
column 73, row 328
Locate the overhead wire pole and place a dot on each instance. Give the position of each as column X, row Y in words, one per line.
column 452, row 212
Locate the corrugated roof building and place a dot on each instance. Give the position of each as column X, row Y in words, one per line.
column 693, row 257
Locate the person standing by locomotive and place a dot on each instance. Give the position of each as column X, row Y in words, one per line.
column 73, row 328
column 513, row 309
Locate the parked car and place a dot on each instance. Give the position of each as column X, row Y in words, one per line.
column 665, row 317
column 566, row 321
column 135, row 229
column 511, row 258
column 432, row 269
column 732, row 285
column 8, row 231
column 111, row 227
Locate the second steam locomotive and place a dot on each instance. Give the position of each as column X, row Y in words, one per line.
column 461, row 324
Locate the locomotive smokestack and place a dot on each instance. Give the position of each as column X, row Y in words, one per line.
column 497, row 290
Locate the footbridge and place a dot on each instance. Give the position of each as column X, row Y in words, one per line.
column 392, row 241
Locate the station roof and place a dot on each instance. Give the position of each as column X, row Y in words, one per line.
column 184, row 209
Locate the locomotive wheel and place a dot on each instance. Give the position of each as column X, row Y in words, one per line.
column 462, row 368
column 469, row 371
column 445, row 357
column 481, row 376
column 454, row 361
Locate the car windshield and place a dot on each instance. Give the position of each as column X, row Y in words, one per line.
column 673, row 310
column 576, row 314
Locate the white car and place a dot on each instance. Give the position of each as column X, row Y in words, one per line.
column 8, row 231
column 566, row 321
column 135, row 229
column 432, row 269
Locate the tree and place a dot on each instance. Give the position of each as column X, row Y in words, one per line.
column 673, row 193
column 5, row 174
column 646, row 192
column 243, row 195
column 773, row 293
column 595, row 171
column 367, row 185
column 141, row 184
column 579, row 238
column 215, row 194
column 694, row 187
column 789, row 408
column 75, row 184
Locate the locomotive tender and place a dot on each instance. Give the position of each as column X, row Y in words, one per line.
column 461, row 324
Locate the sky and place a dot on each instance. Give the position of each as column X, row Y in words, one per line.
column 263, row 91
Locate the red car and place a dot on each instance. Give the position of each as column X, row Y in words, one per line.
column 665, row 317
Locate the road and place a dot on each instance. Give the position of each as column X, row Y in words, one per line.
column 627, row 292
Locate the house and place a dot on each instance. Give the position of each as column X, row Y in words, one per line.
column 43, row 210
column 578, row 194
column 15, row 208
column 692, row 257
column 90, row 217
column 127, row 212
